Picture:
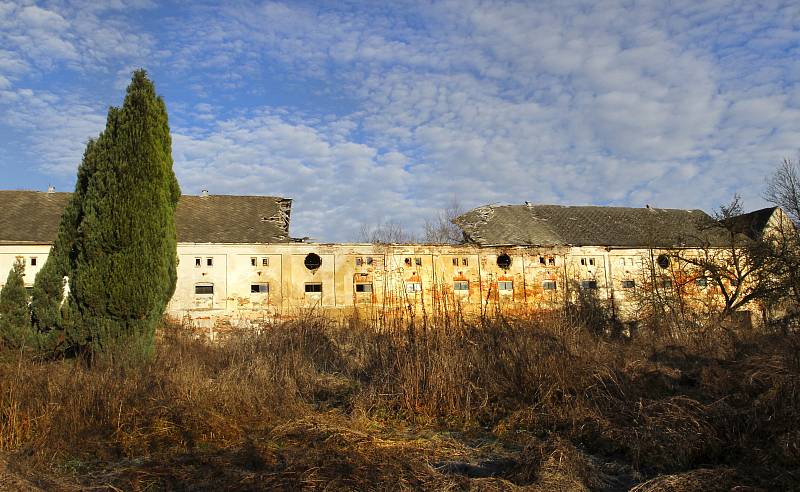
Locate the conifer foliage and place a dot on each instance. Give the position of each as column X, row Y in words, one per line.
column 15, row 322
column 116, row 242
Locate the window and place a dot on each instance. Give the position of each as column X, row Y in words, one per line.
column 589, row 284
column 541, row 260
column 359, row 262
column 364, row 287
column 455, row 261
column 464, row 261
column 583, row 261
column 312, row 262
column 407, row 261
column 701, row 282
column 210, row 261
column 264, row 261
column 413, row 287
column 622, row 262
column 369, row 260
column 551, row 261
column 628, row 284
column 663, row 261
column 259, row 288
column 549, row 285
column 418, row 261
column 665, row 283
column 253, row 261
column 203, row 289
column 591, row 261
column 461, row 285
column 505, row 285
column 197, row 262
column 504, row 261
column 314, row 288
column 33, row 261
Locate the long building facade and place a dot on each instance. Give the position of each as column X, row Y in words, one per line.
column 238, row 263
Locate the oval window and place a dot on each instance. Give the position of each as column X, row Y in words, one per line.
column 504, row 261
column 312, row 261
column 663, row 261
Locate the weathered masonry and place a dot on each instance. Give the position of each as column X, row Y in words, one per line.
column 237, row 260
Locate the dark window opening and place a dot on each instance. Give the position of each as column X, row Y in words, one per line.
column 541, row 260
column 504, row 261
column 591, row 261
column 259, row 288
column 549, row 285
column 253, row 261
column 369, row 260
column 418, row 261
column 455, row 261
column 203, row 289
column 464, row 261
column 312, row 262
column 407, row 261
column 628, row 284
column 359, row 262
column 589, row 284
column 551, row 261
column 663, row 261
column 313, row 288
column 197, row 262
column 210, row 261
column 33, row 261
column 365, row 288
column 264, row 261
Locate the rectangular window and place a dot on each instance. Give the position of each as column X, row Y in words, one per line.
column 665, row 283
column 464, row 261
column 259, row 288
column 197, row 262
column 359, row 262
column 418, row 261
column 264, row 261
column 313, row 288
column 549, row 285
column 369, row 260
column 204, row 289
column 589, row 284
column 455, row 261
column 253, row 261
column 541, row 260
column 591, row 261
column 505, row 285
column 461, row 285
column 413, row 287
column 701, row 282
column 33, row 261
column 628, row 284
column 551, row 261
column 210, row 261
column 365, row 288
column 583, row 261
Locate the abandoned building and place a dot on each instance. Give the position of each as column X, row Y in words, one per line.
column 237, row 260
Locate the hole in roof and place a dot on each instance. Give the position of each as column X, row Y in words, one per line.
column 312, row 261
column 504, row 261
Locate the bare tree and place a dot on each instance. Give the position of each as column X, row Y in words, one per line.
column 783, row 188
column 440, row 229
column 386, row 232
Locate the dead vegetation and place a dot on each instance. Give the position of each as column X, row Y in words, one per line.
column 535, row 403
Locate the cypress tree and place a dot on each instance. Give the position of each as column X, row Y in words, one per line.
column 15, row 320
column 123, row 261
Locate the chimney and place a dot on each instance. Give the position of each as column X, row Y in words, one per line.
column 203, row 192
column 51, row 189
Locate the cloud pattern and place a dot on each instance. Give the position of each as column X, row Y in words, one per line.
column 371, row 113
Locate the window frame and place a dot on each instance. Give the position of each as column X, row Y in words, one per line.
column 460, row 285
column 259, row 284
column 313, row 291
column 547, row 283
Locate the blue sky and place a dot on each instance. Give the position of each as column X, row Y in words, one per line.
column 365, row 112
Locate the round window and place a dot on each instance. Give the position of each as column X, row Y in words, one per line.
column 312, row 261
column 504, row 261
column 663, row 261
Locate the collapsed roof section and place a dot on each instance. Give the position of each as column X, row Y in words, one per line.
column 32, row 217
column 557, row 225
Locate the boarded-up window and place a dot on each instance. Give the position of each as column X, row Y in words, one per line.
column 253, row 261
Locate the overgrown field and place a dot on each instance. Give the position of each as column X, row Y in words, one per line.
column 529, row 403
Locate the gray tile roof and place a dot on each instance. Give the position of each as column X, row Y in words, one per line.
column 33, row 217
column 751, row 224
column 552, row 225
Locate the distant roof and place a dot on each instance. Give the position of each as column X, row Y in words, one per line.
column 552, row 225
column 33, row 217
column 751, row 224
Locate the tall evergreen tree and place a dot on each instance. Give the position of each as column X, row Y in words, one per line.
column 15, row 320
column 124, row 260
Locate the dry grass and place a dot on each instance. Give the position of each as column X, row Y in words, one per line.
column 537, row 403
